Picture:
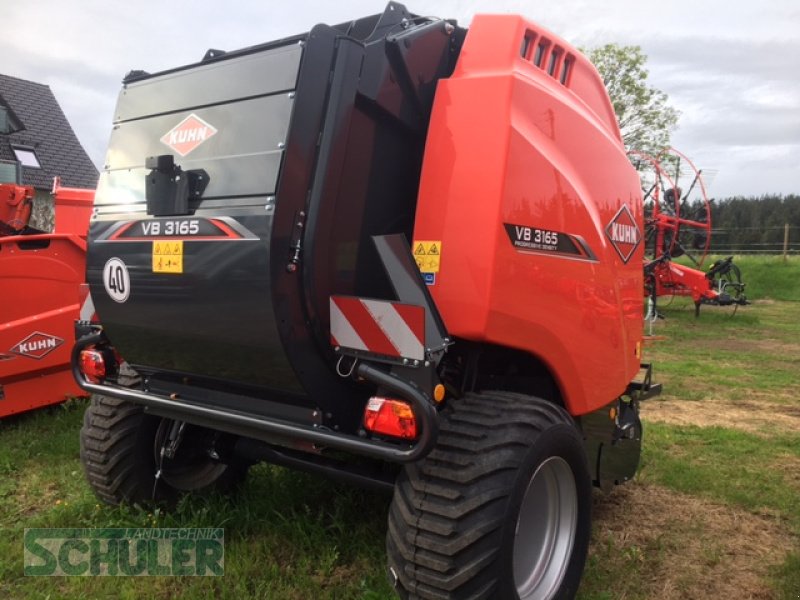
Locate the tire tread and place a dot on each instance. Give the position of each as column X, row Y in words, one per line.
column 447, row 514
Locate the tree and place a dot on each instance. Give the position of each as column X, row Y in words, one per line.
column 645, row 119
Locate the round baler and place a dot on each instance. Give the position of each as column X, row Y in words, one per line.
column 395, row 252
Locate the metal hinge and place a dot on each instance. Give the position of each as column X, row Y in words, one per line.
column 296, row 243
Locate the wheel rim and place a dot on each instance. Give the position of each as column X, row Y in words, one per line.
column 545, row 532
column 191, row 468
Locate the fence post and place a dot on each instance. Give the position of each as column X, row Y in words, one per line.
column 786, row 242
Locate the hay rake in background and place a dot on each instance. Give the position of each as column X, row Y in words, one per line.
column 678, row 224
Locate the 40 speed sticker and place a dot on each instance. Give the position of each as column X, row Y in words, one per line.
column 117, row 280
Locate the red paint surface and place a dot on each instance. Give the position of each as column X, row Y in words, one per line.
column 508, row 143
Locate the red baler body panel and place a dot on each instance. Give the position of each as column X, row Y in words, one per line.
column 511, row 148
column 40, row 278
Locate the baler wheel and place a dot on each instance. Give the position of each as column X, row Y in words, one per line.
column 499, row 509
column 117, row 452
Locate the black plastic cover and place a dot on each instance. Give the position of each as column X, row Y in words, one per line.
column 310, row 146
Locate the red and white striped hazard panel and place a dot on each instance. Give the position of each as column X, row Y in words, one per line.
column 87, row 305
column 378, row 326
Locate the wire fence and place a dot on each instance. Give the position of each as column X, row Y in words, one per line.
column 756, row 240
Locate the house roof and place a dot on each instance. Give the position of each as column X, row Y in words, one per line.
column 47, row 131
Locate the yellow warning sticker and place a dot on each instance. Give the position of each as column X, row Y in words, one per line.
column 168, row 256
column 428, row 254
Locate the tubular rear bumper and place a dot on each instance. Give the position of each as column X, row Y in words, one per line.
column 267, row 429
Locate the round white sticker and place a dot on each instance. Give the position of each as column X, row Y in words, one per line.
column 117, row 280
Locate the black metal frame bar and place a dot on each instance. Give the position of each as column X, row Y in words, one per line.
column 353, row 474
column 642, row 390
column 249, row 425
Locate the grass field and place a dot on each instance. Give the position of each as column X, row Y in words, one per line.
column 713, row 513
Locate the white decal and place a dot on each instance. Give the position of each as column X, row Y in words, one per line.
column 188, row 134
column 151, row 227
column 37, row 345
column 117, row 280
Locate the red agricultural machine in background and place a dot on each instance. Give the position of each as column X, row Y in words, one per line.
column 41, row 275
column 678, row 224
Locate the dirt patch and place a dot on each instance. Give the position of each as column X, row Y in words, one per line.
column 338, row 575
column 789, row 467
column 772, row 346
column 685, row 547
column 754, row 416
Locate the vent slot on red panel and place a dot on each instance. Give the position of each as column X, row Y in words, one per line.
column 550, row 58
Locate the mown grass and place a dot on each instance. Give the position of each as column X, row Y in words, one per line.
column 751, row 350
column 295, row 536
column 287, row 535
column 752, row 353
column 725, row 465
column 757, row 350
column 787, row 577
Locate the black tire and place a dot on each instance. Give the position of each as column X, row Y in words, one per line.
column 453, row 518
column 119, row 449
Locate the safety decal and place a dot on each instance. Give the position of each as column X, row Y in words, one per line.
column 534, row 240
column 117, row 280
column 624, row 233
column 37, row 345
column 87, row 312
column 168, row 256
column 428, row 255
column 187, row 135
column 380, row 327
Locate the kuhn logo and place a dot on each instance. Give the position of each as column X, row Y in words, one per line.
column 624, row 233
column 37, row 345
column 188, row 134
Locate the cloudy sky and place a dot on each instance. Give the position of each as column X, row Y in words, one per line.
column 731, row 67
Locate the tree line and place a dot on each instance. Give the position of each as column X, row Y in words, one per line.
column 756, row 223
column 646, row 119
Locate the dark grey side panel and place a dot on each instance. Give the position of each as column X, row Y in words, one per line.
column 215, row 318
column 242, row 158
column 213, row 83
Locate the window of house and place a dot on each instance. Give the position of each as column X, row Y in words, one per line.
column 9, row 172
column 26, row 156
column 8, row 122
